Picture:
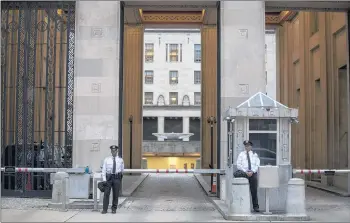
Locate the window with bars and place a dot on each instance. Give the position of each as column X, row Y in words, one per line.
column 148, row 98
column 173, row 98
column 149, row 76
column 197, row 98
column 197, row 77
column 197, row 53
column 173, row 77
column 149, row 52
column 173, row 52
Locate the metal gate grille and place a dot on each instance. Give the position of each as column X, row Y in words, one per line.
column 37, row 74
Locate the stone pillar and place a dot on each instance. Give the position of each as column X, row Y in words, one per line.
column 186, row 127
column 96, row 81
column 160, row 126
column 242, row 56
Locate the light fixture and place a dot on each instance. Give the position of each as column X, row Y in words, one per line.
column 173, row 78
column 229, row 119
column 294, row 120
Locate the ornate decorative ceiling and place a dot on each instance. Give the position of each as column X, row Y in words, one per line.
column 172, row 17
column 191, row 12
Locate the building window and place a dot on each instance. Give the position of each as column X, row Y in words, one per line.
column 173, row 98
column 174, row 52
column 173, row 77
column 197, row 77
column 149, row 77
column 197, row 98
column 148, row 98
column 149, row 52
column 197, row 53
column 263, row 134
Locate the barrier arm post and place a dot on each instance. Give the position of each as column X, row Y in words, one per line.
column 95, row 194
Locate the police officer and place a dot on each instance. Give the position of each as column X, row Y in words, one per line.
column 112, row 173
column 249, row 162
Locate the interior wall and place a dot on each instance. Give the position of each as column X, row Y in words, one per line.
column 209, row 93
column 132, row 94
column 312, row 49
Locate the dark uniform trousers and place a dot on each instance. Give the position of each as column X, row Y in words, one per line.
column 253, row 183
column 113, row 182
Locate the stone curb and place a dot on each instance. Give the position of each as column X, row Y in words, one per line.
column 205, row 186
column 328, row 189
column 134, row 186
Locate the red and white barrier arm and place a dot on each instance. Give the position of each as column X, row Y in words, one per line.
column 194, row 171
column 41, row 170
column 82, row 170
column 321, row 171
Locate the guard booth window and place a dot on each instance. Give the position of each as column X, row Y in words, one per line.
column 263, row 134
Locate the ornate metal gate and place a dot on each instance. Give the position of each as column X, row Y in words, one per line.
column 37, row 74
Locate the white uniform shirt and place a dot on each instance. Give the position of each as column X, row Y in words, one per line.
column 107, row 167
column 242, row 161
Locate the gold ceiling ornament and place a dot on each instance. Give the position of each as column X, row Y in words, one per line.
column 197, row 17
column 287, row 16
column 279, row 19
column 172, row 17
column 272, row 19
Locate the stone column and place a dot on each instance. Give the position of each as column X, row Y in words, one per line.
column 160, row 126
column 242, row 56
column 96, row 81
column 186, row 127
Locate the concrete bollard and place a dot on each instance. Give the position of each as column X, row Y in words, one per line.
column 60, row 190
column 296, row 197
column 144, row 164
column 240, row 199
column 198, row 164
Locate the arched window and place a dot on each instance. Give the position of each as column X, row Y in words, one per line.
column 161, row 100
column 186, row 100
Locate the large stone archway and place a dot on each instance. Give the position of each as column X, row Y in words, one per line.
column 116, row 41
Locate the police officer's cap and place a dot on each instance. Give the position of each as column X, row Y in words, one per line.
column 113, row 147
column 246, row 142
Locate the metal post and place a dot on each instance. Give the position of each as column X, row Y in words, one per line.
column 211, row 151
column 348, row 90
column 95, row 194
column 267, row 201
column 130, row 123
column 211, row 120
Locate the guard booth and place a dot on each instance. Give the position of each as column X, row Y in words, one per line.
column 267, row 123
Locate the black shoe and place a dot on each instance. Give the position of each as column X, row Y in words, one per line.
column 103, row 212
column 114, row 211
column 256, row 210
